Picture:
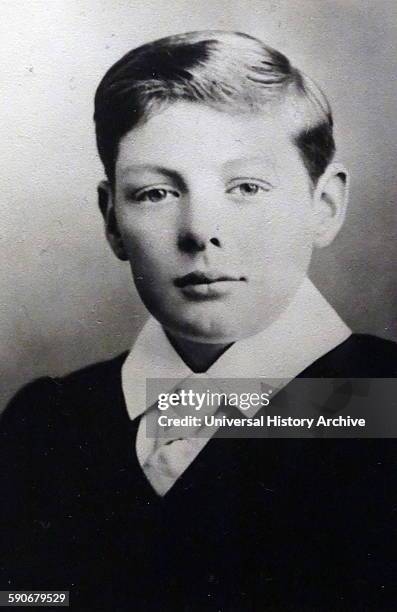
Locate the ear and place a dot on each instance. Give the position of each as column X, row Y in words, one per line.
column 330, row 202
column 106, row 206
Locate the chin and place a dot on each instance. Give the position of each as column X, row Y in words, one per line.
column 208, row 331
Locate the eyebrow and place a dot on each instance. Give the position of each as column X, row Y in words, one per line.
column 173, row 175
column 257, row 159
column 151, row 168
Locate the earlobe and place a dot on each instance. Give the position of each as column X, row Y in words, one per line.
column 330, row 203
column 106, row 206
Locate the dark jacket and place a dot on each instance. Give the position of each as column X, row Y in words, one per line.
column 253, row 524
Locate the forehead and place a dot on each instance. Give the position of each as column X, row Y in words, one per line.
column 188, row 135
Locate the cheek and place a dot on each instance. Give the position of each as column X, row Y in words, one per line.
column 281, row 242
column 149, row 252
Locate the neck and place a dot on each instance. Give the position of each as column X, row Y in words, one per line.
column 198, row 356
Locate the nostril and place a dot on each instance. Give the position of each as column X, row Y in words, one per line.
column 190, row 244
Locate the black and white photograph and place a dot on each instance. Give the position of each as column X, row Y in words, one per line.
column 198, row 305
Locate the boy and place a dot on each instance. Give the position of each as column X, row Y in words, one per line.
column 220, row 183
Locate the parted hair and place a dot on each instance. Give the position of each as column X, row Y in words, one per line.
column 229, row 71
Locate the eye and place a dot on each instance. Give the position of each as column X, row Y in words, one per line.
column 155, row 195
column 249, row 189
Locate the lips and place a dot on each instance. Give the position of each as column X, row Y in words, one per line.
column 205, row 278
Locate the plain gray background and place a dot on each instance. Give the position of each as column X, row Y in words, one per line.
column 65, row 301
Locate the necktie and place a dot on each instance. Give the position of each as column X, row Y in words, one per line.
column 174, row 452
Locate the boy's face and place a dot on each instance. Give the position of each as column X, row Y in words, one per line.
column 215, row 215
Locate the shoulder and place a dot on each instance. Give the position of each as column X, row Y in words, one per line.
column 79, row 392
column 361, row 355
column 94, row 381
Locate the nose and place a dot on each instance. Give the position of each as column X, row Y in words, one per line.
column 199, row 229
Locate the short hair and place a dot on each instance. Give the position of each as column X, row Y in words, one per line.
column 229, row 71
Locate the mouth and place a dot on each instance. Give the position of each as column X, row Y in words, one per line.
column 205, row 278
column 202, row 285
